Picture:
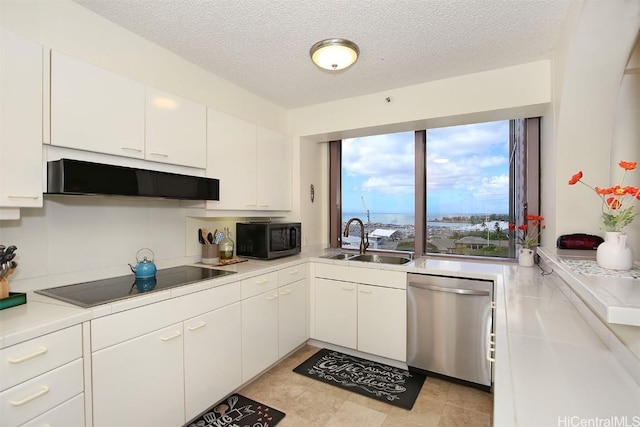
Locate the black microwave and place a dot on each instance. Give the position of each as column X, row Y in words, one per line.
column 268, row 240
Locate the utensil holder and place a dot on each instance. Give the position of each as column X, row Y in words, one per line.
column 210, row 254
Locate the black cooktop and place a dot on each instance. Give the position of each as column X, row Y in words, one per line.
column 90, row 294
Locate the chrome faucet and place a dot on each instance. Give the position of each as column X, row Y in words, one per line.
column 364, row 237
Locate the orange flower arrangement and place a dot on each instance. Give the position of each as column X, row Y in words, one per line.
column 617, row 201
column 527, row 234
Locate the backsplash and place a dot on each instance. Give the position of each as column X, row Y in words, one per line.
column 75, row 239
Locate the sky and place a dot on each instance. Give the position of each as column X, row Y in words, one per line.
column 467, row 171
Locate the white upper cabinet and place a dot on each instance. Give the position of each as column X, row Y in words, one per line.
column 20, row 122
column 94, row 109
column 252, row 163
column 176, row 130
column 231, row 157
column 274, row 170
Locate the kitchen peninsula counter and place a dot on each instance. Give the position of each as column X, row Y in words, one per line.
column 550, row 364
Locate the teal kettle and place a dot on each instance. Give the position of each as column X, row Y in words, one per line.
column 145, row 267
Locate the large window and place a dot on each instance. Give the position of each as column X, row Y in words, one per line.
column 451, row 190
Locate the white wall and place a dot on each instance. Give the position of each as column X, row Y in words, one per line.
column 503, row 93
column 588, row 72
column 506, row 93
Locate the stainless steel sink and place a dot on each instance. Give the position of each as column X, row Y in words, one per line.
column 340, row 256
column 382, row 259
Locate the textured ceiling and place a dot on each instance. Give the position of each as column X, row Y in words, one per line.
column 263, row 45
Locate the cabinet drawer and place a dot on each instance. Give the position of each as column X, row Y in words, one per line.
column 259, row 284
column 26, row 360
column 68, row 414
column 292, row 274
column 109, row 330
column 369, row 276
column 34, row 397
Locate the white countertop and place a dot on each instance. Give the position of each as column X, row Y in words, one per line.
column 615, row 299
column 550, row 364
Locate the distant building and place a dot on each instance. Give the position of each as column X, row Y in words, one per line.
column 472, row 242
column 444, row 246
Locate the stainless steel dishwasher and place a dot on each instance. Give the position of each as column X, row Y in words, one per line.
column 449, row 322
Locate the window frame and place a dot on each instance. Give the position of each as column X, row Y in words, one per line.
column 524, row 145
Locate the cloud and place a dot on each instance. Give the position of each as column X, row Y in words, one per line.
column 477, row 166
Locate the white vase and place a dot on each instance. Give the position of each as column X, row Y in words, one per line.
column 525, row 257
column 614, row 253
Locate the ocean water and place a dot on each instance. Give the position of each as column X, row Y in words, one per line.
column 403, row 218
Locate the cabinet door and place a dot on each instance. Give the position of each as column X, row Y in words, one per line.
column 336, row 312
column 20, row 121
column 259, row 333
column 292, row 316
column 231, row 157
column 140, row 382
column 176, row 130
column 212, row 358
column 382, row 321
column 94, row 109
column 274, row 170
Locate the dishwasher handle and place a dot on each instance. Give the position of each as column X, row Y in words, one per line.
column 449, row 290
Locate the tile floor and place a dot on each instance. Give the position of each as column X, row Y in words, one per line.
column 308, row 402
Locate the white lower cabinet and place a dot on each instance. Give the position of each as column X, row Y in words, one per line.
column 382, row 321
column 369, row 317
column 140, row 382
column 40, row 378
column 212, row 358
column 336, row 312
column 292, row 316
column 259, row 333
column 19, row 404
column 67, row 414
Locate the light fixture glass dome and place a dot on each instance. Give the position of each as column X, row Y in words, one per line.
column 334, row 54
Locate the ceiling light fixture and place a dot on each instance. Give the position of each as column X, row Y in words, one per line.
column 334, row 54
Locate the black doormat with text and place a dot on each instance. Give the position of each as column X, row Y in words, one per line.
column 237, row 411
column 385, row 383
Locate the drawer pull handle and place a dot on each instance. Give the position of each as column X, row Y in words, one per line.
column 364, row 291
column 293, row 272
column 44, row 390
column 37, row 353
column 198, row 326
column 159, row 154
column 346, row 288
column 262, row 282
column 170, row 337
column 272, row 297
column 491, row 338
column 489, row 351
column 285, row 292
column 23, row 196
column 137, row 150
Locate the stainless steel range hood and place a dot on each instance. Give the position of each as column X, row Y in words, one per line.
column 76, row 177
